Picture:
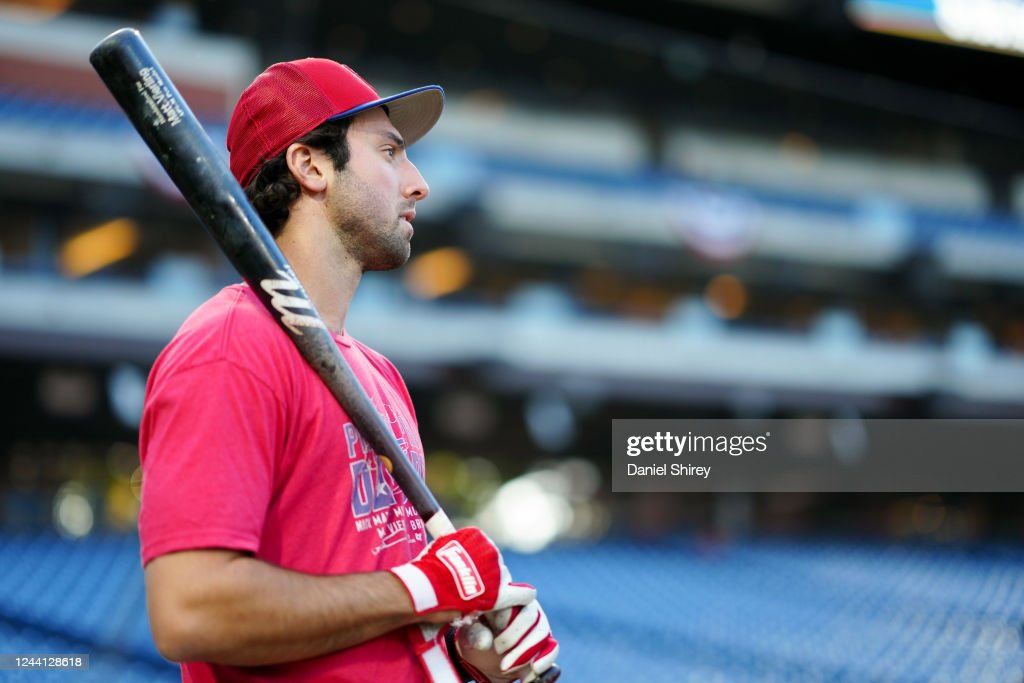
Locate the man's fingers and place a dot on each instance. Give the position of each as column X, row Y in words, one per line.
column 522, row 652
column 546, row 659
column 499, row 619
column 513, row 594
column 513, row 632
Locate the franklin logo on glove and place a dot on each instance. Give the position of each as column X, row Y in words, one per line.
column 460, row 564
column 461, row 572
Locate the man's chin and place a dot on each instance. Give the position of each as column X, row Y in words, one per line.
column 391, row 260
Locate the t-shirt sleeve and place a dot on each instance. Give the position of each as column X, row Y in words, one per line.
column 210, row 435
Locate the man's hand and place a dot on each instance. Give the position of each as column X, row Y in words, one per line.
column 523, row 647
column 462, row 572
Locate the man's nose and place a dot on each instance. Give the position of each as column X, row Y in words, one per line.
column 415, row 186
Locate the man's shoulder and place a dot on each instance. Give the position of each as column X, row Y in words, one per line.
column 231, row 325
column 234, row 310
column 381, row 363
column 234, row 305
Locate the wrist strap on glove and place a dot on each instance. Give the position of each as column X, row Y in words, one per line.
column 453, row 654
column 429, row 643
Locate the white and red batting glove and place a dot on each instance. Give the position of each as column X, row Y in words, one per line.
column 461, row 572
column 523, row 647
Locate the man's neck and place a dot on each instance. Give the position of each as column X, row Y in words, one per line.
column 327, row 272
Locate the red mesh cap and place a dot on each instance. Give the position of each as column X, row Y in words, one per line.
column 290, row 99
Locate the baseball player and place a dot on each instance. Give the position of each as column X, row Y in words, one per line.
column 276, row 546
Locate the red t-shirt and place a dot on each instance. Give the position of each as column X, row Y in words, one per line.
column 243, row 448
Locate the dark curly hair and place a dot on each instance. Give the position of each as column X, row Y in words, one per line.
column 274, row 189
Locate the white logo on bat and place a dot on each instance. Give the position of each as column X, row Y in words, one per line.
column 159, row 98
column 282, row 302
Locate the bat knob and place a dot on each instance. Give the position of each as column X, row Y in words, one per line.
column 549, row 676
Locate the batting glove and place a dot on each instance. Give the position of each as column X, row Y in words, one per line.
column 462, row 572
column 523, row 647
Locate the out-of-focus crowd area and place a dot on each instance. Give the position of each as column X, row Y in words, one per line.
column 672, row 208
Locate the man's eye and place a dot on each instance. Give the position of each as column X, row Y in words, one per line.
column 390, row 151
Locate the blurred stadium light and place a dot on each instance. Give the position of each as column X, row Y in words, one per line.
column 984, row 24
column 98, row 247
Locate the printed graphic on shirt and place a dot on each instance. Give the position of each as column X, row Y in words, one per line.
column 378, row 504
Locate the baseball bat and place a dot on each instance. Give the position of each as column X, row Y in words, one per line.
column 162, row 117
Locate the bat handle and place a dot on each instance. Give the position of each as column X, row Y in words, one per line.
column 549, row 676
column 481, row 638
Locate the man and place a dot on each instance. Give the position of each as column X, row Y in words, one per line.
column 275, row 545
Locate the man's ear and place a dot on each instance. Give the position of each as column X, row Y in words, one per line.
column 309, row 166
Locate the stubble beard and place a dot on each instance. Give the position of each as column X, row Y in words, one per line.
column 368, row 226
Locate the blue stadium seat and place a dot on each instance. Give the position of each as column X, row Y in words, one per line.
column 750, row 611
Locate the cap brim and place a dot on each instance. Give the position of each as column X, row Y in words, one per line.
column 413, row 112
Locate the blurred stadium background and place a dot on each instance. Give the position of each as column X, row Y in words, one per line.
column 661, row 208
